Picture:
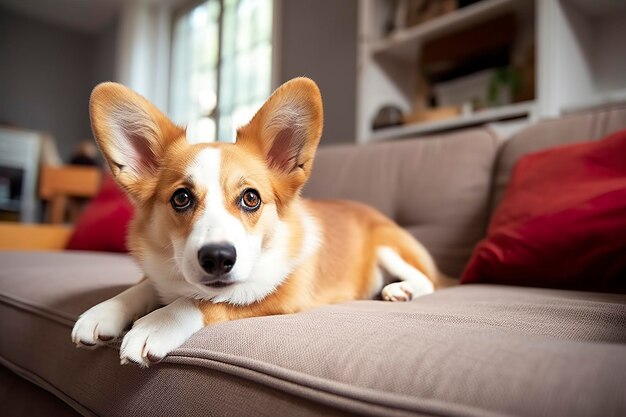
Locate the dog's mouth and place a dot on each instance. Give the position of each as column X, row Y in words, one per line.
column 219, row 283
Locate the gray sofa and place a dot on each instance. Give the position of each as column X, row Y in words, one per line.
column 475, row 350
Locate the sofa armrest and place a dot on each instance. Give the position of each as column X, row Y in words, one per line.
column 33, row 236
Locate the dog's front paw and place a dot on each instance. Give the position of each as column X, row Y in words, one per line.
column 405, row 290
column 157, row 334
column 397, row 291
column 147, row 343
column 100, row 324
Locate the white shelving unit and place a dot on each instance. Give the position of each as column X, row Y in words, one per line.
column 515, row 110
column 403, row 43
column 579, row 60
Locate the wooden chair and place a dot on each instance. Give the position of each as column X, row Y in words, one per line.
column 58, row 184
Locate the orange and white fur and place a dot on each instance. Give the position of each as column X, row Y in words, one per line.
column 221, row 232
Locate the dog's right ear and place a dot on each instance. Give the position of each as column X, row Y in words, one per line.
column 132, row 135
column 285, row 132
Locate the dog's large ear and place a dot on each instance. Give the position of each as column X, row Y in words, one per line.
column 286, row 132
column 132, row 135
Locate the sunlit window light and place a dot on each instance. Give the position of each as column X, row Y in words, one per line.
column 216, row 86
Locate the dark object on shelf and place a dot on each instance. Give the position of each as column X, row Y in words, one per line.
column 465, row 3
column 388, row 116
column 420, row 11
column 469, row 50
column 85, row 154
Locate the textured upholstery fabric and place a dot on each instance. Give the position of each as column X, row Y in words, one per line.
column 579, row 127
column 474, row 350
column 20, row 398
column 437, row 188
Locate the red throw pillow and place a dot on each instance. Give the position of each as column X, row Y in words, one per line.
column 562, row 222
column 104, row 223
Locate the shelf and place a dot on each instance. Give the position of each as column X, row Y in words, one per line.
column 404, row 44
column 489, row 115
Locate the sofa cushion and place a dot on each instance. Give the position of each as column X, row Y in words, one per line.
column 19, row 398
column 562, row 222
column 436, row 188
column 473, row 350
column 572, row 128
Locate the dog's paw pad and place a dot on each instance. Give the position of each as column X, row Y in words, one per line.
column 397, row 291
column 154, row 358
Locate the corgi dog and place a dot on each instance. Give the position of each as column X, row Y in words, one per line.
column 221, row 232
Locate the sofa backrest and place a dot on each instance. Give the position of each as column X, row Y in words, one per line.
column 576, row 127
column 437, row 188
column 444, row 188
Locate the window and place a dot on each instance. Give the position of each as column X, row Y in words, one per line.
column 221, row 66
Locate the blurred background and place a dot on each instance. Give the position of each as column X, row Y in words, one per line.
column 207, row 64
column 211, row 63
column 387, row 69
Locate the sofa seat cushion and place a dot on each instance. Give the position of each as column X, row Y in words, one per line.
column 474, row 350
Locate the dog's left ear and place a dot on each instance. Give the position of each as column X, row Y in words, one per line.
column 286, row 132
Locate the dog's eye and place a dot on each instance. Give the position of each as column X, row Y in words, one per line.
column 250, row 200
column 181, row 199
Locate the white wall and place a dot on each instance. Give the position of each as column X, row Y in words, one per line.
column 318, row 40
column 610, row 67
column 105, row 59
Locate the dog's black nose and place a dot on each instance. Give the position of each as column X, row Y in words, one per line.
column 217, row 258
